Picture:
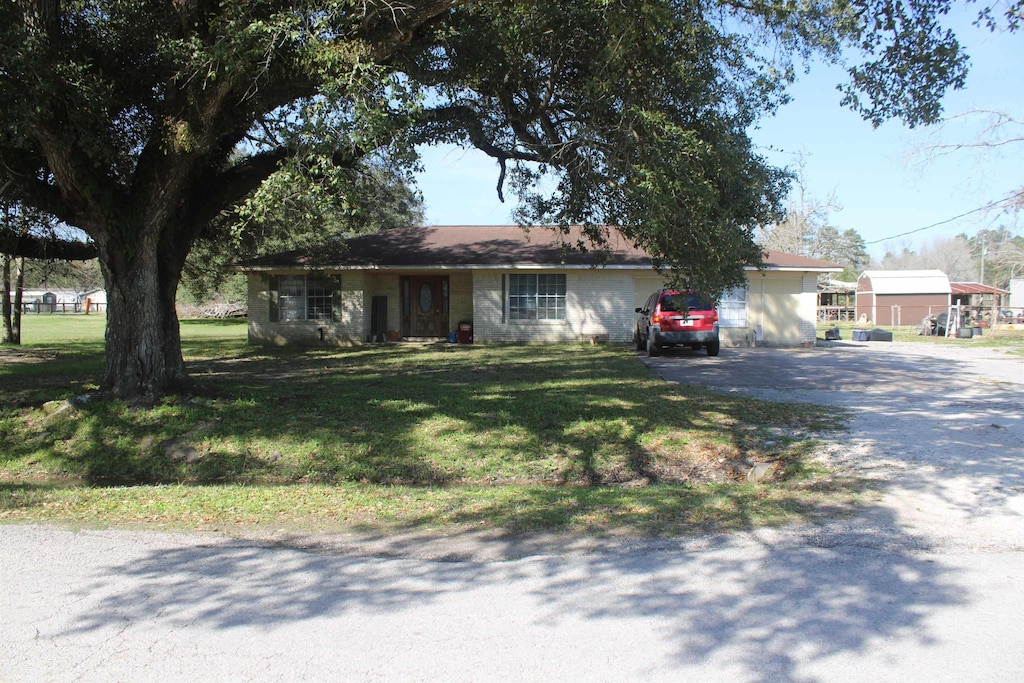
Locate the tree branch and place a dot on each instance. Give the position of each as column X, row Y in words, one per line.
column 31, row 246
column 19, row 180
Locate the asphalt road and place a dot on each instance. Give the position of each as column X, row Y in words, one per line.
column 924, row 585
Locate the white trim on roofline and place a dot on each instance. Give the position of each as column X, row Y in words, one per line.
column 497, row 266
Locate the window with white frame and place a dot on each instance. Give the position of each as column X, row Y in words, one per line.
column 732, row 308
column 536, row 297
column 305, row 297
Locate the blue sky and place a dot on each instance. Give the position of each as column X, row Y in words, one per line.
column 882, row 187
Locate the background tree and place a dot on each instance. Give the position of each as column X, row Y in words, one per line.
column 845, row 248
column 79, row 276
column 143, row 122
column 298, row 208
column 981, row 135
column 807, row 230
column 806, row 216
column 19, row 223
column 998, row 255
column 951, row 256
column 1007, row 260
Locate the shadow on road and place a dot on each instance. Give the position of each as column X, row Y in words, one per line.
column 768, row 605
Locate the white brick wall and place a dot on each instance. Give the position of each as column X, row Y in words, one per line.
column 599, row 303
column 460, row 298
column 307, row 332
column 809, row 310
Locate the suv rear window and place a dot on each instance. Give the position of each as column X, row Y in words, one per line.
column 686, row 302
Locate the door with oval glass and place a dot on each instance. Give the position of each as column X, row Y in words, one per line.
column 425, row 305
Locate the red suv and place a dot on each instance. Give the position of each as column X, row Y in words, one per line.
column 676, row 318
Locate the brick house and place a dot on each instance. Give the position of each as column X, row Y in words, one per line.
column 508, row 284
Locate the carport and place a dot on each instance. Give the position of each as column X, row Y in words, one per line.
column 980, row 302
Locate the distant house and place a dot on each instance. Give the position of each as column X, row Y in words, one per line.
column 901, row 297
column 62, row 300
column 1017, row 292
column 49, row 300
column 94, row 299
column 500, row 284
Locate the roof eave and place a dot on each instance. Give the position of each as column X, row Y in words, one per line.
column 498, row 266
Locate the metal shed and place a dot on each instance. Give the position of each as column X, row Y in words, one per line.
column 901, row 297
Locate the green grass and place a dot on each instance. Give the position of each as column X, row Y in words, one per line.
column 1003, row 338
column 518, row 438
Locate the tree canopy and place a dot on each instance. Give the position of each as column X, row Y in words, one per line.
column 301, row 208
column 143, row 122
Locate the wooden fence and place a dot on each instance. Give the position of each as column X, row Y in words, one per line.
column 61, row 307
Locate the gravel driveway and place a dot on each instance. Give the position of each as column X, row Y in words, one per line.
column 923, row 584
column 939, row 427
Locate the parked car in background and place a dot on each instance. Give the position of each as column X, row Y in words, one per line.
column 672, row 317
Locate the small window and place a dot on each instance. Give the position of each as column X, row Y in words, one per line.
column 732, row 309
column 536, row 297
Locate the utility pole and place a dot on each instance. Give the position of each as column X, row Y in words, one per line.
column 982, row 280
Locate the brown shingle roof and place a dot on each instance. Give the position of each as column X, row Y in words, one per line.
column 483, row 246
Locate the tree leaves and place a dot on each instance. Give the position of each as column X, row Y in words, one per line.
column 143, row 122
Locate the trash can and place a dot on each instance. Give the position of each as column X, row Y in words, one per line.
column 464, row 334
column 860, row 335
column 879, row 335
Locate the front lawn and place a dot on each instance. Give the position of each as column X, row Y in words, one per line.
column 573, row 438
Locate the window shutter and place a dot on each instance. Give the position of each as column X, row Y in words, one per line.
column 336, row 298
column 272, row 296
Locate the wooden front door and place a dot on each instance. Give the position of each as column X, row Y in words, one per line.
column 425, row 306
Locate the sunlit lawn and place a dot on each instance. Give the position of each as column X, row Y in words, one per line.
column 516, row 438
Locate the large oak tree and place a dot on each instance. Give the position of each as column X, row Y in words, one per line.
column 142, row 122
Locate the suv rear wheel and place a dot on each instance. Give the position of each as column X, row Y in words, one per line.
column 638, row 340
column 652, row 348
column 713, row 348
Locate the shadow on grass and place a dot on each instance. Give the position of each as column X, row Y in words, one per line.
column 410, row 415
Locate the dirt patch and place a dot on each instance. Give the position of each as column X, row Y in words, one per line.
column 16, row 355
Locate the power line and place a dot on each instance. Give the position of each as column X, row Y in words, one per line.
column 950, row 220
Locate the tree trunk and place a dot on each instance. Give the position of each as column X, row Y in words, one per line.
column 8, row 331
column 12, row 309
column 19, row 294
column 143, row 340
